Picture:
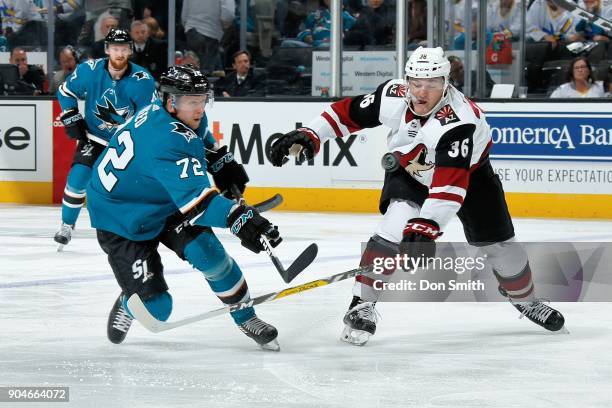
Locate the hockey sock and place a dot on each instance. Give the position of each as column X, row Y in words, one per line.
column 160, row 306
column 518, row 287
column 222, row 274
column 74, row 193
column 376, row 248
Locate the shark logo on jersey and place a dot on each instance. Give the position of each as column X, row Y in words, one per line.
column 141, row 75
column 414, row 161
column 111, row 116
column 184, row 131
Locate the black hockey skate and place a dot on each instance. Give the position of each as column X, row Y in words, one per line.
column 541, row 314
column 360, row 322
column 263, row 333
column 119, row 322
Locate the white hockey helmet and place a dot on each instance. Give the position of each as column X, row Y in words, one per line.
column 428, row 63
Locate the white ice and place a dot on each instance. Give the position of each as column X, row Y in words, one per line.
column 54, row 306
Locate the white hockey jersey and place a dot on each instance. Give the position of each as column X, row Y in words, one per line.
column 542, row 20
column 439, row 152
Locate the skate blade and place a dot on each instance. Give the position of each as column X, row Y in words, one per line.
column 60, row 248
column 355, row 337
column 271, row 346
column 562, row 330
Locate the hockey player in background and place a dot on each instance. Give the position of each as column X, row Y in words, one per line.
column 441, row 140
column 150, row 187
column 113, row 89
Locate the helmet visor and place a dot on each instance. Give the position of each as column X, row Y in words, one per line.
column 428, row 84
column 192, row 103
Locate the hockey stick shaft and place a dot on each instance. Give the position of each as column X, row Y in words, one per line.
column 140, row 312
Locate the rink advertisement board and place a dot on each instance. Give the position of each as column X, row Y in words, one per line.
column 25, row 151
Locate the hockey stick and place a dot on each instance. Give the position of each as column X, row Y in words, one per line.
column 581, row 13
column 140, row 312
column 299, row 264
column 269, row 204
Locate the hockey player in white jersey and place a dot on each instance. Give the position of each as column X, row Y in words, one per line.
column 441, row 140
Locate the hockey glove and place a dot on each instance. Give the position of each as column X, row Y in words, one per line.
column 419, row 238
column 75, row 125
column 246, row 223
column 226, row 171
column 303, row 143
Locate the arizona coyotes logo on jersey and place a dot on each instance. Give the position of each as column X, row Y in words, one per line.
column 446, row 115
column 414, row 161
column 397, row 90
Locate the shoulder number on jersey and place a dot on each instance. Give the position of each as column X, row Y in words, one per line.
column 196, row 167
column 459, row 148
column 118, row 161
column 367, row 100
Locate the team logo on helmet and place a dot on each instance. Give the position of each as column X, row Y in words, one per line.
column 415, row 161
column 446, row 115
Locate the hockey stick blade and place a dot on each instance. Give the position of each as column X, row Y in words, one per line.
column 149, row 322
column 269, row 204
column 297, row 266
column 302, row 262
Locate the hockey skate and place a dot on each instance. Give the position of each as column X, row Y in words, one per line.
column 541, row 314
column 263, row 333
column 360, row 323
column 119, row 322
column 63, row 235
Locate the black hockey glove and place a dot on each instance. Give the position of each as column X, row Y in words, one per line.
column 226, row 172
column 302, row 142
column 246, row 223
column 419, row 238
column 75, row 125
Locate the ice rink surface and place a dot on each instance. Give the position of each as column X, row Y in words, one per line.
column 54, row 307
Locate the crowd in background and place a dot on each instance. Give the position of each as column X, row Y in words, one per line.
column 282, row 34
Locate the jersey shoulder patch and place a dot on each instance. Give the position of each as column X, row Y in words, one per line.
column 396, row 90
column 141, row 75
column 184, row 131
column 446, row 115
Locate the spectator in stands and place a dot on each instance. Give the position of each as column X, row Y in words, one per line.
column 417, row 24
column 105, row 22
column 550, row 23
column 68, row 60
column 317, row 27
column 148, row 52
column 31, row 77
column 204, row 21
column 24, row 23
column 504, row 16
column 242, row 81
column 580, row 82
column 457, row 76
column 190, row 57
column 375, row 25
column 154, row 30
column 586, row 31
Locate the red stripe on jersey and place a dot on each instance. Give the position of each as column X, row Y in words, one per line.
column 477, row 109
column 343, row 109
column 332, row 123
column 450, row 176
column 365, row 280
column 447, row 196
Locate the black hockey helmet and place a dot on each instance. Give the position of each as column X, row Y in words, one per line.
column 185, row 80
column 118, row 36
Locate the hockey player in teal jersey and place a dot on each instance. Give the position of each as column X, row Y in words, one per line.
column 113, row 89
column 150, row 186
